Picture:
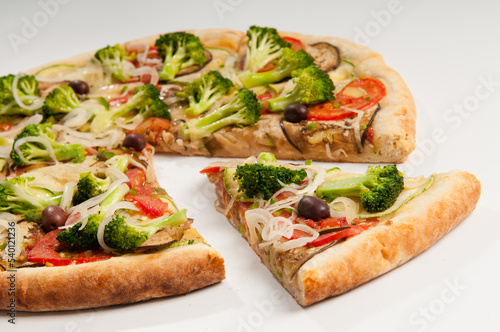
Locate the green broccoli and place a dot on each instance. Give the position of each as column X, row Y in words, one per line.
column 243, row 110
column 86, row 238
column 179, row 50
column 378, row 188
column 27, row 90
column 287, row 63
column 121, row 235
column 145, row 101
column 61, row 101
column 89, row 186
column 264, row 45
column 204, row 92
column 255, row 179
column 41, row 147
column 18, row 197
column 114, row 60
column 312, row 86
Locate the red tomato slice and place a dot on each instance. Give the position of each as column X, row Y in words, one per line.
column 137, row 178
column 296, row 44
column 329, row 111
column 154, row 207
column 43, row 252
column 330, row 237
column 209, row 170
column 5, row 126
column 265, row 97
column 374, row 92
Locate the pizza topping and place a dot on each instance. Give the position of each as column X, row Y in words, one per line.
column 295, row 113
column 378, row 188
column 80, row 87
column 361, row 94
column 116, row 62
column 312, row 86
column 26, row 94
column 135, row 141
column 326, row 56
column 313, row 208
column 202, row 93
column 53, row 217
column 179, row 50
column 288, row 61
column 263, row 46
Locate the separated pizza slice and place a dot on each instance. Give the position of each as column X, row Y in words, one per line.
column 323, row 232
column 96, row 232
column 228, row 93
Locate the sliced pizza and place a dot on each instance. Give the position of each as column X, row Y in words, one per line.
column 323, row 232
column 95, row 232
column 229, row 94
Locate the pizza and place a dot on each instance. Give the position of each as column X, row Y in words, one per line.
column 96, row 232
column 322, row 232
column 229, row 94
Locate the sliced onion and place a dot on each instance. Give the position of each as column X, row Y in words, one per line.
column 146, row 70
column 76, row 118
column 37, row 103
column 7, row 107
column 300, row 242
column 67, row 195
column 108, row 138
column 100, row 234
column 15, row 130
column 41, row 140
column 350, row 207
column 18, row 245
column 120, row 206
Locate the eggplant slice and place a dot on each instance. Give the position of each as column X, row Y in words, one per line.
column 194, row 69
column 287, row 136
column 365, row 132
column 326, row 56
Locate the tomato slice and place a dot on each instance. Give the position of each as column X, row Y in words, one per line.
column 5, row 126
column 153, row 207
column 371, row 89
column 296, row 44
column 137, row 178
column 265, row 97
column 43, row 252
column 329, row 111
column 209, row 170
column 360, row 94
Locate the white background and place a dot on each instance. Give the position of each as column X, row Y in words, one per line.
column 448, row 52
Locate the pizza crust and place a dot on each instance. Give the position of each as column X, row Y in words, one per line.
column 394, row 125
column 119, row 280
column 412, row 229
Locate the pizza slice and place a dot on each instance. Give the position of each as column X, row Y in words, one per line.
column 323, row 232
column 229, row 94
column 95, row 232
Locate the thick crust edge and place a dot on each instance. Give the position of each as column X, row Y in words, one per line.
column 413, row 229
column 126, row 279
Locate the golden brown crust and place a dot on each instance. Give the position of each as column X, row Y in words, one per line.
column 127, row 279
column 412, row 229
column 394, row 125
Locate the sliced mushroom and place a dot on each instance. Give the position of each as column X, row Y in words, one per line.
column 194, row 69
column 326, row 56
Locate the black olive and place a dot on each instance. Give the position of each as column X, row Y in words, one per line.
column 311, row 207
column 53, row 217
column 80, row 87
column 295, row 113
column 101, row 157
column 134, row 141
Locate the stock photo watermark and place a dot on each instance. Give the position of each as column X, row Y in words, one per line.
column 223, row 6
column 11, row 276
column 455, row 116
column 429, row 313
column 32, row 25
column 262, row 310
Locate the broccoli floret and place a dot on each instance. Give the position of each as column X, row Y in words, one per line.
column 114, row 60
column 243, row 110
column 179, row 50
column 89, row 186
column 312, row 86
column 27, row 90
column 60, row 101
column 41, row 146
column 264, row 45
column 204, row 92
column 287, row 63
column 86, row 238
column 378, row 188
column 18, row 197
column 121, row 235
column 255, row 179
column 145, row 102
